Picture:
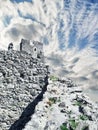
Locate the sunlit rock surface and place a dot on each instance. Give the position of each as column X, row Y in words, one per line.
column 33, row 99
column 64, row 107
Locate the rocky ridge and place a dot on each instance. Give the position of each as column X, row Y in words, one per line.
column 33, row 99
column 64, row 107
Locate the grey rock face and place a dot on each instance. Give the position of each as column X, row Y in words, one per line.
column 20, row 82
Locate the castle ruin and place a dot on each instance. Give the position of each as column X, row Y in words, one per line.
column 31, row 55
column 32, row 47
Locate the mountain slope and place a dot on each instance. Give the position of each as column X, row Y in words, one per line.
column 31, row 98
column 64, row 107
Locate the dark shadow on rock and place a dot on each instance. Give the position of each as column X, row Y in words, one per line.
column 29, row 110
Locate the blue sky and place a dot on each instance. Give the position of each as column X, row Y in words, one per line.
column 93, row 1
column 80, row 20
column 18, row 1
column 73, row 40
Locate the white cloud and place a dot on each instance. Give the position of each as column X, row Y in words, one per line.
column 39, row 20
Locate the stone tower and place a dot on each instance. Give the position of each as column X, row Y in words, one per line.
column 32, row 47
column 10, row 47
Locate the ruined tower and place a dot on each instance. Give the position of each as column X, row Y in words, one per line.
column 32, row 47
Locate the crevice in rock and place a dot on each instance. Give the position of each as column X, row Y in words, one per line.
column 29, row 110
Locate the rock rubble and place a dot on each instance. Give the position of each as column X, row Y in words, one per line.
column 21, row 80
column 64, row 108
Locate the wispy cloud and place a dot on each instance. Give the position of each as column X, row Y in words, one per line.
column 68, row 29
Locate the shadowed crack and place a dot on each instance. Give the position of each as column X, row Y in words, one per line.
column 29, row 110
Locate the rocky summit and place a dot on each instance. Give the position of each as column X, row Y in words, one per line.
column 33, row 99
column 21, row 80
